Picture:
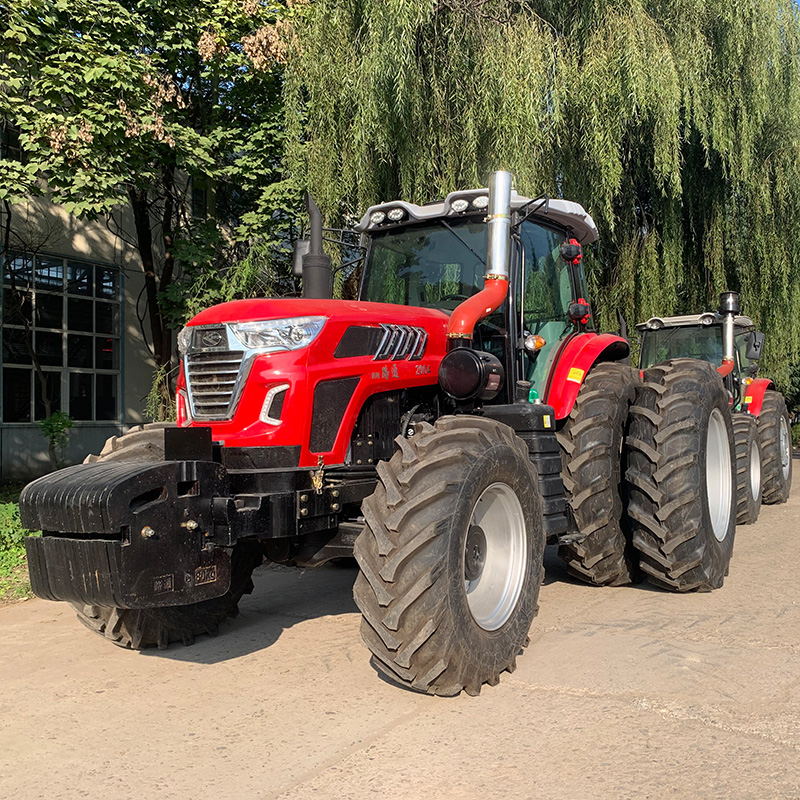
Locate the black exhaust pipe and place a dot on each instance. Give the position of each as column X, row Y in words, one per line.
column 317, row 277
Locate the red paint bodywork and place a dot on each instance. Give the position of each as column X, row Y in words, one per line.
column 726, row 368
column 579, row 353
column 756, row 391
column 304, row 369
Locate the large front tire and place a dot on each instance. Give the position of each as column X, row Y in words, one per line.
column 681, row 476
column 140, row 628
column 776, row 448
column 591, row 445
column 451, row 557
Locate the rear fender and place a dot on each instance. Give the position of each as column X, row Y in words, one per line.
column 578, row 356
column 754, row 395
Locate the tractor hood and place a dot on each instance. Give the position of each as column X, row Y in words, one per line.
column 293, row 374
column 365, row 313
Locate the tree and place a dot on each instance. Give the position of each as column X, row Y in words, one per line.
column 677, row 124
column 146, row 105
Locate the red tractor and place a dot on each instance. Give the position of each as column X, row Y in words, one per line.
column 441, row 428
column 761, row 421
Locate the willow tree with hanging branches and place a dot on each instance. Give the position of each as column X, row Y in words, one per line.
column 675, row 122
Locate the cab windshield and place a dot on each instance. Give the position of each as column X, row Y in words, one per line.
column 437, row 265
column 701, row 342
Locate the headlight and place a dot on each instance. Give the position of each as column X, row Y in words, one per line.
column 184, row 341
column 396, row 214
column 376, row 217
column 481, row 201
column 459, row 205
column 278, row 334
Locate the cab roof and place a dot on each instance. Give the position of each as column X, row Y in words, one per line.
column 688, row 320
column 564, row 213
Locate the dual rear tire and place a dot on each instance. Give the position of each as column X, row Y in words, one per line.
column 591, row 442
column 680, row 476
column 776, row 448
column 748, row 468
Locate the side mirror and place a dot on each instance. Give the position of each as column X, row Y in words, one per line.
column 300, row 248
column 755, row 345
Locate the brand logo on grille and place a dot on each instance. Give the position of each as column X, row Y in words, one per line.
column 211, row 338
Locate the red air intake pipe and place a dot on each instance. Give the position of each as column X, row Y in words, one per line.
column 498, row 253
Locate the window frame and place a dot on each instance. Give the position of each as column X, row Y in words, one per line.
column 30, row 283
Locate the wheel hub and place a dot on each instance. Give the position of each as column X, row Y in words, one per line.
column 495, row 556
column 474, row 553
column 786, row 449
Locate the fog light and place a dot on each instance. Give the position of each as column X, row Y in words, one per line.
column 481, row 201
column 396, row 214
column 273, row 405
column 376, row 217
column 459, row 205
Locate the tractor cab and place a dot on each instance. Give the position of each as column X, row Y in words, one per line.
column 434, row 256
column 701, row 336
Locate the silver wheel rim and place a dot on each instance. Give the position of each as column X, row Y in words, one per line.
column 718, row 475
column 495, row 556
column 786, row 448
column 755, row 469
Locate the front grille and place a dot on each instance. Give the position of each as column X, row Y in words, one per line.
column 212, row 378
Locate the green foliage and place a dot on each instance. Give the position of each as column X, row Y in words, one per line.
column 13, row 568
column 159, row 405
column 56, row 429
column 12, row 534
column 137, row 103
column 796, row 435
column 676, row 124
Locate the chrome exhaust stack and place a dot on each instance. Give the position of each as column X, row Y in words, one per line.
column 498, row 246
column 728, row 309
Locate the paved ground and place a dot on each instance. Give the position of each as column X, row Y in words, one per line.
column 623, row 693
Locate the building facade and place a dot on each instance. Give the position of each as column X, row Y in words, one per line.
column 71, row 289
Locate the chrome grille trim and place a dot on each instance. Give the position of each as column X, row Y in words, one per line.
column 212, row 377
column 400, row 342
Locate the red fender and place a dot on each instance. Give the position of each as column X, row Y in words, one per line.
column 578, row 355
column 753, row 398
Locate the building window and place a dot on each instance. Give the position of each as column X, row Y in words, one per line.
column 199, row 200
column 68, row 313
column 9, row 141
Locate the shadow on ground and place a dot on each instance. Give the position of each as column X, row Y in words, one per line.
column 286, row 596
column 283, row 597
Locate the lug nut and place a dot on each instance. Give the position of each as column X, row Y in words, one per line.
column 303, row 512
column 190, row 525
column 335, row 493
column 335, row 506
column 148, row 532
column 303, row 498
